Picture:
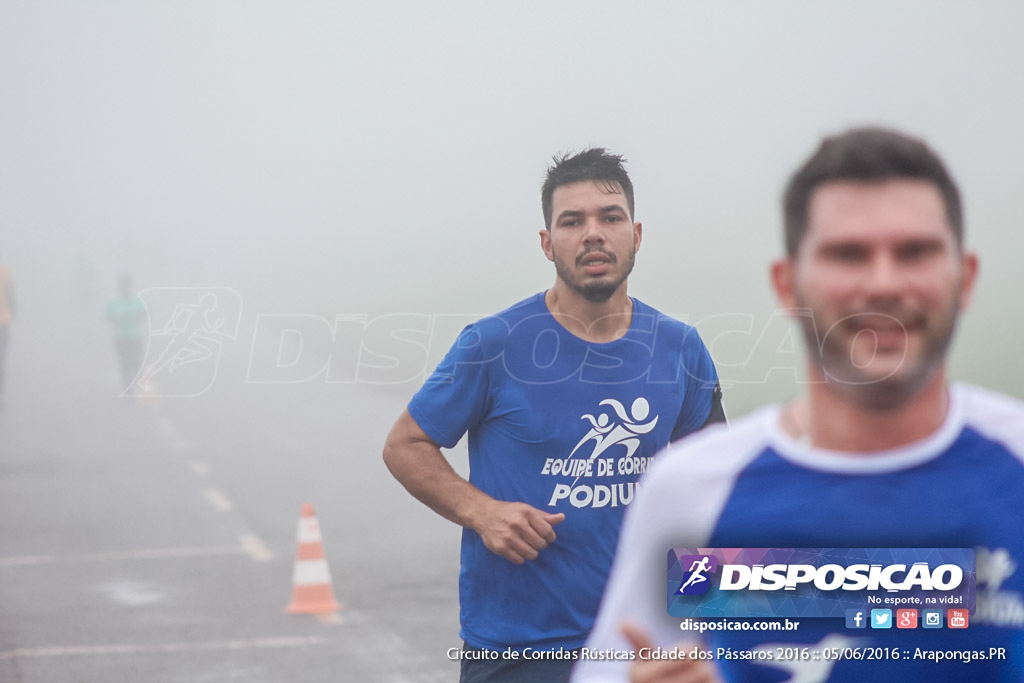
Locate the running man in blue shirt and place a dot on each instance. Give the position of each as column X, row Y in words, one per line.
column 566, row 397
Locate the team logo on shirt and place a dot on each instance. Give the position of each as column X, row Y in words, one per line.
column 996, row 606
column 612, row 425
column 605, row 432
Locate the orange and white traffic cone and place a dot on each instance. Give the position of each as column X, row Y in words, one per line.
column 312, row 592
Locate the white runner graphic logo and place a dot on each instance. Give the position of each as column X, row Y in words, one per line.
column 615, row 425
column 183, row 352
column 996, row 606
column 606, row 433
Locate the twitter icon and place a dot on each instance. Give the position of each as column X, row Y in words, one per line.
column 881, row 618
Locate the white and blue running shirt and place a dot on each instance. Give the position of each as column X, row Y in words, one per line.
column 753, row 486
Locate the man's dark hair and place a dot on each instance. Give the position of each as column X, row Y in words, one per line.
column 869, row 155
column 590, row 164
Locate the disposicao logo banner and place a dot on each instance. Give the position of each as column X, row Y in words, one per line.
column 816, row 582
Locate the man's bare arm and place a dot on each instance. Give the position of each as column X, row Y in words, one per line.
column 516, row 531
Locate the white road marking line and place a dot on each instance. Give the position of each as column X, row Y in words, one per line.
column 152, row 554
column 199, row 468
column 333, row 618
column 181, row 445
column 218, row 500
column 255, row 548
column 133, row 593
column 164, row 426
column 125, row 649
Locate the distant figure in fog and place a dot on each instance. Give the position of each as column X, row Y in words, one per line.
column 127, row 314
column 6, row 315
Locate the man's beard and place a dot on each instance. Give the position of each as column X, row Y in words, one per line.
column 833, row 355
column 594, row 291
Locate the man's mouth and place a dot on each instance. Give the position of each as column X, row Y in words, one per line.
column 595, row 262
column 887, row 329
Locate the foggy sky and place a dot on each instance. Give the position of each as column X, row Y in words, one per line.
column 354, row 158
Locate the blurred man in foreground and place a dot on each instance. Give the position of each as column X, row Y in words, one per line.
column 566, row 397
column 882, row 452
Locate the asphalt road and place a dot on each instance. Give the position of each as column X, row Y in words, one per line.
column 155, row 540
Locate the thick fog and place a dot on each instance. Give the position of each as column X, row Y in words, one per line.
column 311, row 200
column 382, row 161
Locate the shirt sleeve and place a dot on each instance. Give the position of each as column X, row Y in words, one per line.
column 454, row 397
column 702, row 400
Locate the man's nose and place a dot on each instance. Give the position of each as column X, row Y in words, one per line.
column 884, row 276
column 593, row 231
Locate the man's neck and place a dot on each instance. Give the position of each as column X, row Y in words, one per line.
column 597, row 322
column 830, row 420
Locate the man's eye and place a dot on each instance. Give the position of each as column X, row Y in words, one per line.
column 916, row 252
column 848, row 253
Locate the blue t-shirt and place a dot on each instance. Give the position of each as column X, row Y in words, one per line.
column 755, row 487
column 564, row 425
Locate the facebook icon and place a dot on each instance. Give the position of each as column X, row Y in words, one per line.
column 855, row 619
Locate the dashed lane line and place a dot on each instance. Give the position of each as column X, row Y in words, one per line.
column 199, row 468
column 165, row 427
column 249, row 545
column 255, row 548
column 330, row 618
column 218, row 500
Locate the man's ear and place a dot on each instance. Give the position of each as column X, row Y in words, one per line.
column 968, row 273
column 545, row 244
column 638, row 233
column 783, row 274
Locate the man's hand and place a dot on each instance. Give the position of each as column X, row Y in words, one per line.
column 664, row 670
column 516, row 531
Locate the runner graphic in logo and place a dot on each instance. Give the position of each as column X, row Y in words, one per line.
column 994, row 605
column 606, row 433
column 189, row 329
column 993, row 567
column 614, row 426
column 696, row 582
column 183, row 355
